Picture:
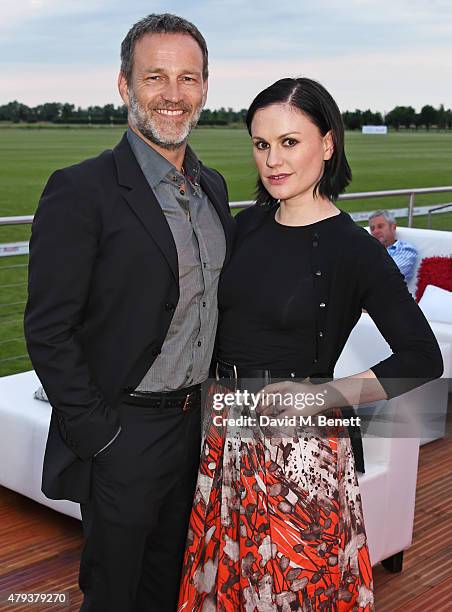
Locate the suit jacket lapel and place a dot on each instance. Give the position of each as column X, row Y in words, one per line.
column 227, row 221
column 143, row 202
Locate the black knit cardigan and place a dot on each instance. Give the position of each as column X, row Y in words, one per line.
column 353, row 271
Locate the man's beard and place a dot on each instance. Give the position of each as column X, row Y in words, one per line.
column 145, row 123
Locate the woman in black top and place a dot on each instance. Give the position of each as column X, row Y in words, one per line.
column 277, row 520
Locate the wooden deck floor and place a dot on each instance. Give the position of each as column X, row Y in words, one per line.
column 39, row 548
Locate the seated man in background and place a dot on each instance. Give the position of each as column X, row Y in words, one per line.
column 383, row 227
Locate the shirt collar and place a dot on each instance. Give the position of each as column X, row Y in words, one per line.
column 393, row 245
column 155, row 167
column 192, row 166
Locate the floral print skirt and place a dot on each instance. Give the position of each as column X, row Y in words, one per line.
column 277, row 522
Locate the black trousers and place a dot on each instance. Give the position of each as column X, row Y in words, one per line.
column 135, row 524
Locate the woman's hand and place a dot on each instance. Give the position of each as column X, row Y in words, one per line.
column 289, row 398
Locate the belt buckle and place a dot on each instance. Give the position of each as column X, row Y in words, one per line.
column 234, row 371
column 186, row 405
column 233, row 377
column 236, row 377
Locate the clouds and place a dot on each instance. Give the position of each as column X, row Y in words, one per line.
column 369, row 80
column 39, row 13
column 371, row 54
column 80, row 84
column 261, row 29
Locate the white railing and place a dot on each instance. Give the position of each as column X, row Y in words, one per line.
column 411, row 193
column 434, row 210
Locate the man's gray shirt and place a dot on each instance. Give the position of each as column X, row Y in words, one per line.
column 200, row 243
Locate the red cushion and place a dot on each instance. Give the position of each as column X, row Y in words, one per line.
column 434, row 271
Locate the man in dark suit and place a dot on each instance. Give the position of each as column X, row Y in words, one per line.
column 125, row 256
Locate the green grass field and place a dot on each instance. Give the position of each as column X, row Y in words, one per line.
column 28, row 156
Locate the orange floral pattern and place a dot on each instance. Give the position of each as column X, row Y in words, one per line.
column 276, row 523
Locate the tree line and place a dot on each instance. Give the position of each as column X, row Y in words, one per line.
column 109, row 114
column 56, row 112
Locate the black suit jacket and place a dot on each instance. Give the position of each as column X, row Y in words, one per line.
column 103, row 285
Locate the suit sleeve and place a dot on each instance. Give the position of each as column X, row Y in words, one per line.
column 416, row 357
column 63, row 249
column 226, row 197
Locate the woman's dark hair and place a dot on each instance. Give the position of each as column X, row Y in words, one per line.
column 315, row 102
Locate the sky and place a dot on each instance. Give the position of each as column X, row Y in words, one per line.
column 368, row 53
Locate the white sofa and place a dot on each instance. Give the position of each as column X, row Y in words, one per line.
column 24, row 423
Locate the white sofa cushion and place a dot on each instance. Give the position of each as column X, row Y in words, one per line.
column 436, row 304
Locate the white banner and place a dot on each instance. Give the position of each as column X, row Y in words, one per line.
column 14, row 248
column 375, row 129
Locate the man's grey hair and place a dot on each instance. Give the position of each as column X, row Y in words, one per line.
column 383, row 213
column 164, row 23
